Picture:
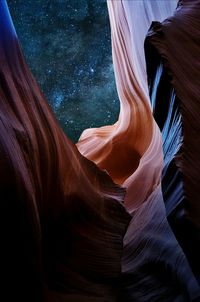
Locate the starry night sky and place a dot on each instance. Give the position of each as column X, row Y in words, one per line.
column 68, row 48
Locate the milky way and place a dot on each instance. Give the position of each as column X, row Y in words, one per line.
column 67, row 46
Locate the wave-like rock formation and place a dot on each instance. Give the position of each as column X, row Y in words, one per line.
column 172, row 53
column 130, row 150
column 135, row 143
column 62, row 219
column 68, row 231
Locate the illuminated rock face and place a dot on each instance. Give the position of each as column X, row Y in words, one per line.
column 66, row 235
column 131, row 149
